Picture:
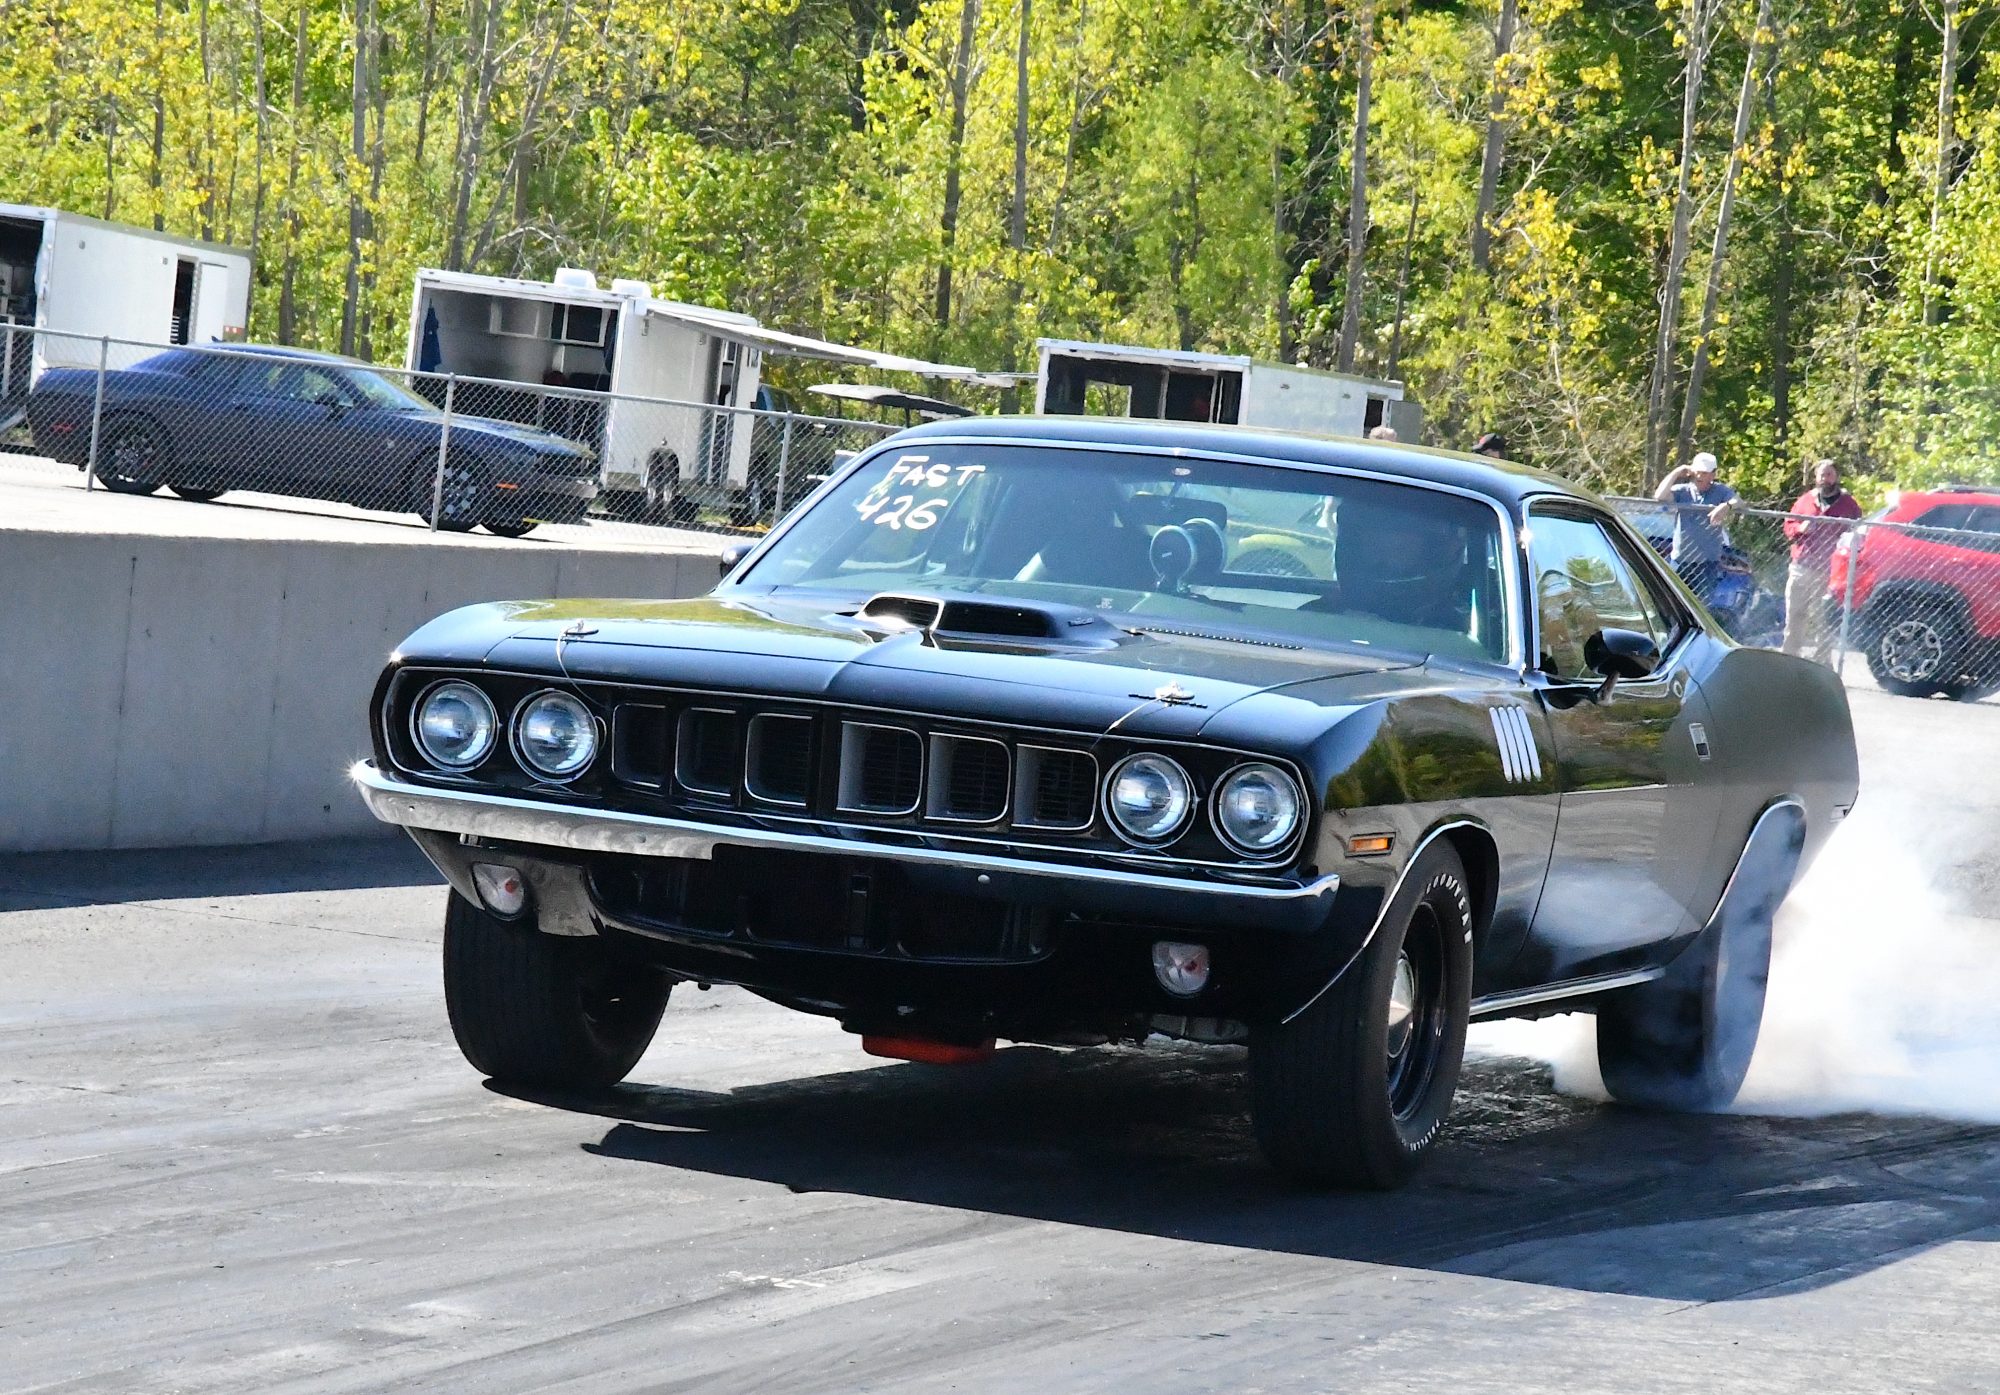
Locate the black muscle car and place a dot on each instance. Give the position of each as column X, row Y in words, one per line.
column 1016, row 730
column 284, row 421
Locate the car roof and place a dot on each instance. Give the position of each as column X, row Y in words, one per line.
column 1949, row 494
column 282, row 351
column 1502, row 480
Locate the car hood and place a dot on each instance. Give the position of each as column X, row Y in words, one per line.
column 542, row 442
column 1144, row 684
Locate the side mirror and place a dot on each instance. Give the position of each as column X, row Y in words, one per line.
column 1620, row 654
column 733, row 555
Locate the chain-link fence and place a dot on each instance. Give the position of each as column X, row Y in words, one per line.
column 458, row 452
column 1909, row 598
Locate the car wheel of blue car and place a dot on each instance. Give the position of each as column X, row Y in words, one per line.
column 132, row 456
column 548, row 1010
column 455, row 498
column 1353, row 1091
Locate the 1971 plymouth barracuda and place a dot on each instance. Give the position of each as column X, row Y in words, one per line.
column 284, row 421
column 990, row 739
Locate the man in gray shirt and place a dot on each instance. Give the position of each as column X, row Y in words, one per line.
column 1702, row 505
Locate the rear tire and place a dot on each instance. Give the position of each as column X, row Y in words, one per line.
column 547, row 1010
column 197, row 496
column 1684, row 1041
column 518, row 528
column 1913, row 654
column 132, row 456
column 1334, row 1102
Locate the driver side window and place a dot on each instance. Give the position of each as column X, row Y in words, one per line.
column 1582, row 585
column 294, row 382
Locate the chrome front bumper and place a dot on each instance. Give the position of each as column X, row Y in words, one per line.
column 504, row 818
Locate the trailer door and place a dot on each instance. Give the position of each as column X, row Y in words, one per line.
column 211, row 303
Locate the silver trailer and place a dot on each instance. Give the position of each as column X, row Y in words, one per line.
column 67, row 281
column 662, row 390
column 1124, row 380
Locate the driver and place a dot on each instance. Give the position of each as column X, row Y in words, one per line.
column 1401, row 565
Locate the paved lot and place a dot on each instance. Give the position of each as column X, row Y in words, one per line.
column 42, row 496
column 242, row 1155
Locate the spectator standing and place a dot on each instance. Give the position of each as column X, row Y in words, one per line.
column 1384, row 432
column 1702, row 506
column 1818, row 519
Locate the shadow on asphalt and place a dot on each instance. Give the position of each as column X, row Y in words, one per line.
column 50, row 880
column 1527, row 1184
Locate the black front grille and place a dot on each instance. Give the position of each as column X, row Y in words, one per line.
column 708, row 751
column 640, row 743
column 881, row 769
column 779, row 769
column 969, row 777
column 1058, row 788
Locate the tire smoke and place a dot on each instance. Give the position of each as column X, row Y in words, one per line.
column 1882, row 999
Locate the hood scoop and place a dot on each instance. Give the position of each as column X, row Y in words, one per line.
column 978, row 617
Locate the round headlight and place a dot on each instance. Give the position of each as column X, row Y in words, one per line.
column 555, row 734
column 1149, row 798
column 454, row 726
column 1257, row 809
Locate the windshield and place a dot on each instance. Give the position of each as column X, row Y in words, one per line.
column 378, row 391
column 1175, row 543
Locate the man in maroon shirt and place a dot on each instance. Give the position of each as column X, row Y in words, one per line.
column 1814, row 532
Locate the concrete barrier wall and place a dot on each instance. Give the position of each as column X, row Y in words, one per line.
column 169, row 692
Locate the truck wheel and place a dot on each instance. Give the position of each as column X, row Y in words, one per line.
column 132, row 456
column 1353, row 1091
column 546, row 1010
column 1684, row 1040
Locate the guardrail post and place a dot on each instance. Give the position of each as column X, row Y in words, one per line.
column 1855, row 537
column 444, row 450
column 96, row 414
column 784, row 463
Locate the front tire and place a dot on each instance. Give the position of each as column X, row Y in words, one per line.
column 515, row 528
column 545, row 1010
column 196, row 496
column 1916, row 655
column 1354, row 1090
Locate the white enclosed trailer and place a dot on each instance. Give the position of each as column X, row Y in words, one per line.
column 67, row 281
column 626, row 358
column 1124, row 380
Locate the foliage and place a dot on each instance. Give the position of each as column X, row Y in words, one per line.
column 1187, row 175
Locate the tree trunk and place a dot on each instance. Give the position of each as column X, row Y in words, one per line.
column 425, row 86
column 1699, row 19
column 1017, row 222
column 1711, row 298
column 261, row 92
column 1075, row 131
column 514, row 185
column 1496, row 140
column 1357, row 199
column 1786, row 250
column 378, row 159
column 350, row 304
column 288, row 305
column 156, row 173
column 1947, row 142
column 961, row 84
column 1403, row 278
column 474, row 109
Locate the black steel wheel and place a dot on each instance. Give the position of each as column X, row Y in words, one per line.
column 547, row 1010
column 1354, row 1090
column 1916, row 654
column 132, row 456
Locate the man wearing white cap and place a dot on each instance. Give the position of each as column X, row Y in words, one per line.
column 1702, row 505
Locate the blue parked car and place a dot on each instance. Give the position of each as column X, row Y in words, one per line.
column 316, row 426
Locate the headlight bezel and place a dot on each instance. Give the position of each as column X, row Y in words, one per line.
column 1190, row 801
column 1286, row 781
column 534, row 769
column 423, row 747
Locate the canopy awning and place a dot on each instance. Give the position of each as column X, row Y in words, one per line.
column 777, row 341
column 894, row 399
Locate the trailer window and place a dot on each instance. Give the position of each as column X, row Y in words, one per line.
column 1264, row 550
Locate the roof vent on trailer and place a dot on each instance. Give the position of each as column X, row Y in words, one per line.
column 630, row 289
column 576, row 278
